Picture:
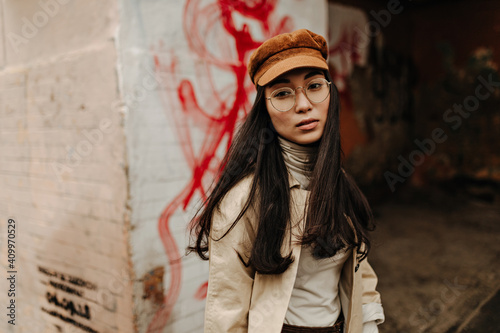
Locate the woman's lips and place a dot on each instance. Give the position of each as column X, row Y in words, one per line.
column 307, row 124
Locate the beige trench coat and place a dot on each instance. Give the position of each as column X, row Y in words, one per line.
column 242, row 300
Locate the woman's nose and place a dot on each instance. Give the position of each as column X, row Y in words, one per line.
column 302, row 103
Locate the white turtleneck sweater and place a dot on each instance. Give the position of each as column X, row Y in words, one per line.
column 315, row 301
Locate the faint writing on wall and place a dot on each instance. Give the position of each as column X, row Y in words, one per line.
column 65, row 298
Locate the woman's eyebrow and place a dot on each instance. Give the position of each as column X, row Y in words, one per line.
column 278, row 81
column 311, row 74
column 284, row 80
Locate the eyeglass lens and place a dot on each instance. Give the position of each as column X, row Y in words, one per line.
column 283, row 99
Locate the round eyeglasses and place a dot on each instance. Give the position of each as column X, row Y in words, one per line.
column 316, row 91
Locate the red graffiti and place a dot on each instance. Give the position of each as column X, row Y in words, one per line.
column 201, row 293
column 350, row 49
column 216, row 117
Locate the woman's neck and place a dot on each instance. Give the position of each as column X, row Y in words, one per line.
column 298, row 159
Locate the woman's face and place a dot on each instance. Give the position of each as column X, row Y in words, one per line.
column 305, row 121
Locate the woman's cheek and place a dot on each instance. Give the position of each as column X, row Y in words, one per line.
column 281, row 124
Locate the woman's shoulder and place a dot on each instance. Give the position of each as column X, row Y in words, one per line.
column 232, row 204
column 237, row 196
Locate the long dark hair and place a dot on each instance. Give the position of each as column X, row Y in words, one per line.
column 334, row 196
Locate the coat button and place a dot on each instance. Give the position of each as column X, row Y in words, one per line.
column 356, row 268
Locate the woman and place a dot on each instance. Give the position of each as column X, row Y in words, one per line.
column 285, row 228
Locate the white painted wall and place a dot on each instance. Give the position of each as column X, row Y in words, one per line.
column 63, row 172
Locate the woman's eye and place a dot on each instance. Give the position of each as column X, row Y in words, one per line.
column 282, row 94
column 315, row 86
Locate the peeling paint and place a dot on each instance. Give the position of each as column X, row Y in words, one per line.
column 153, row 285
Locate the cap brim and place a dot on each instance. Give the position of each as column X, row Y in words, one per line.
column 288, row 64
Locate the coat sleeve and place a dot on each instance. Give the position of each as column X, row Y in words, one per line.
column 372, row 304
column 230, row 280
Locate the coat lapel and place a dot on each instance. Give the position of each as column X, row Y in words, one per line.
column 271, row 293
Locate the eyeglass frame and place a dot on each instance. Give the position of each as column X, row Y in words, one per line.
column 303, row 91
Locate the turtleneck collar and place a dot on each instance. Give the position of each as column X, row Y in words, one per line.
column 296, row 158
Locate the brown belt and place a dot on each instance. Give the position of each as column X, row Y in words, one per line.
column 336, row 328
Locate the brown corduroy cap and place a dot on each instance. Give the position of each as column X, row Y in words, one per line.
column 277, row 55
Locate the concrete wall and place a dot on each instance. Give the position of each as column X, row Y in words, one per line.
column 183, row 66
column 63, row 176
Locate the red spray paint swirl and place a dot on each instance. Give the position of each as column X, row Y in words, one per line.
column 218, row 119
